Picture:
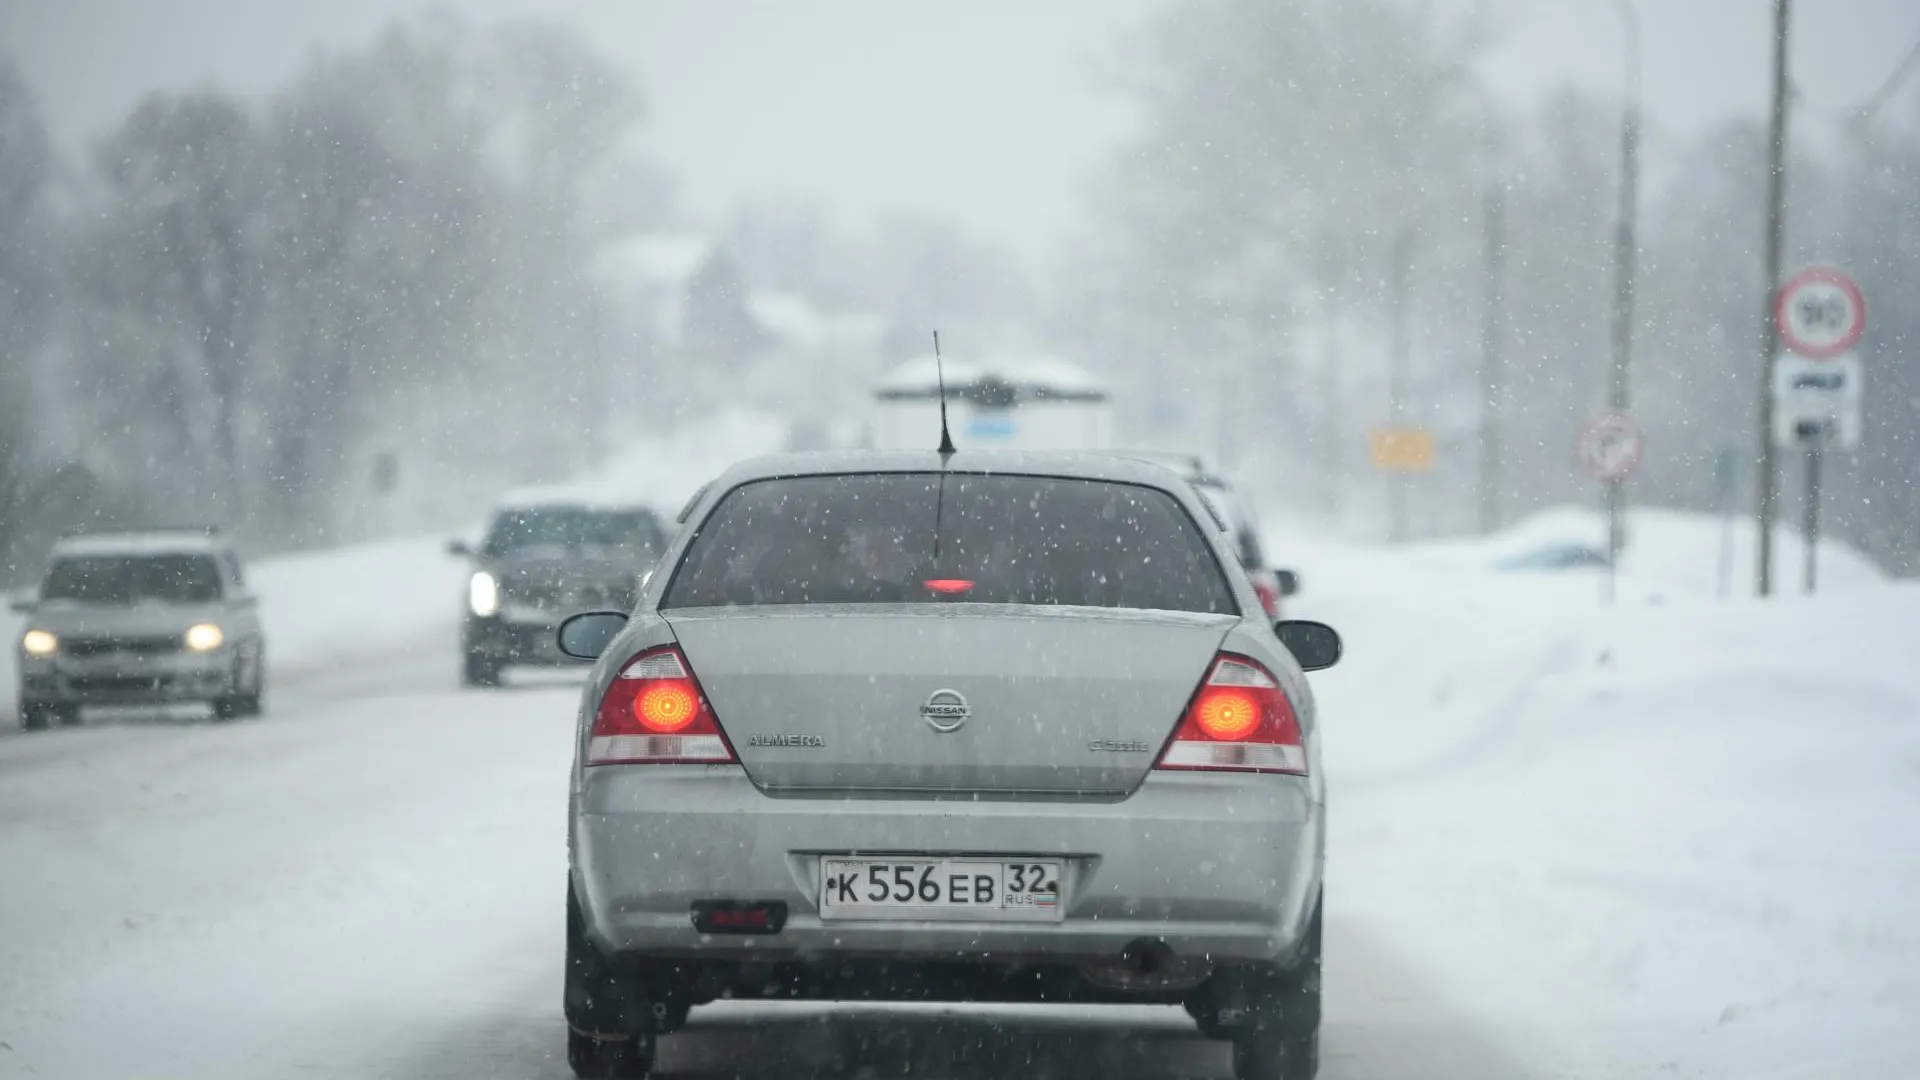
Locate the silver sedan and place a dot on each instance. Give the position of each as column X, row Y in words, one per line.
column 984, row 727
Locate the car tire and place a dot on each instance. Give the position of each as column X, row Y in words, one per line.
column 41, row 715
column 1281, row 1041
column 480, row 671
column 614, row 1059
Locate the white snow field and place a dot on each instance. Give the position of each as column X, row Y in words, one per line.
column 1671, row 838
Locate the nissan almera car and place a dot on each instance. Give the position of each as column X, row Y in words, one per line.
column 968, row 727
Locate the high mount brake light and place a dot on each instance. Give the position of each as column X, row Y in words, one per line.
column 948, row 586
column 654, row 714
column 1239, row 721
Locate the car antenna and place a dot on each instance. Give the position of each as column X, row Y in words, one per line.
column 946, row 449
column 940, row 371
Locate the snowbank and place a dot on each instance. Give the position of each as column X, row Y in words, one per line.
column 1672, row 835
column 364, row 601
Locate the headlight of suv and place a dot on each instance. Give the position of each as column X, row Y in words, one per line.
column 483, row 593
column 40, row 643
column 205, row 637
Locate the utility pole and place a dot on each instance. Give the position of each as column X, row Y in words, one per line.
column 1619, row 397
column 1763, row 503
column 1333, row 420
column 1397, row 374
column 1493, row 216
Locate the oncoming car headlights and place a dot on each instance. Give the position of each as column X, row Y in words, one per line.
column 39, row 643
column 483, row 593
column 204, row 637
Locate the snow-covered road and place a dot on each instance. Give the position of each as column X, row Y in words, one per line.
column 368, row 883
column 1666, row 840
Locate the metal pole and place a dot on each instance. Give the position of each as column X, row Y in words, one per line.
column 1397, row 378
column 1491, row 313
column 1333, row 423
column 1723, row 483
column 1619, row 396
column 1812, row 525
column 1763, row 505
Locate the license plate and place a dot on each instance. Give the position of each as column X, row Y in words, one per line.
column 968, row 890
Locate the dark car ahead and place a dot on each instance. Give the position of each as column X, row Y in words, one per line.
column 540, row 562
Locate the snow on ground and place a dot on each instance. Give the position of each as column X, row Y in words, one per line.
column 356, row 603
column 1670, row 837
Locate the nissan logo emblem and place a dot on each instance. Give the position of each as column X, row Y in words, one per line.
column 946, row 710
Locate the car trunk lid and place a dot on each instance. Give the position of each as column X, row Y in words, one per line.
column 1069, row 701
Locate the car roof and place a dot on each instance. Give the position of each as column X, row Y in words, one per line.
column 566, row 498
column 155, row 542
column 1066, row 464
column 1188, row 465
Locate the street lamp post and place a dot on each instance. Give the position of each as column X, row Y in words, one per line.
column 1399, row 361
column 1765, row 491
column 1619, row 396
column 1493, row 217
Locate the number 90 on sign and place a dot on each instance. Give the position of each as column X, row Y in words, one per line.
column 967, row 890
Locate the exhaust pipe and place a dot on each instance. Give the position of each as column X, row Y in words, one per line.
column 1146, row 956
column 1148, row 964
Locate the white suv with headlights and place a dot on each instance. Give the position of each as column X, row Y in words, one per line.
column 140, row 618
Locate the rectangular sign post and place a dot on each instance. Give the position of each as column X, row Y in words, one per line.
column 1816, row 402
column 1723, row 484
column 1814, row 438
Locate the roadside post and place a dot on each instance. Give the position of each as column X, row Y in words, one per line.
column 1725, row 468
column 1817, row 382
column 1610, row 447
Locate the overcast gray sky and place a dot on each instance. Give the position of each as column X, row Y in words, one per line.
column 988, row 110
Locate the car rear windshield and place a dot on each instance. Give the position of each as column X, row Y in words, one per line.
column 635, row 533
column 127, row 579
column 949, row 538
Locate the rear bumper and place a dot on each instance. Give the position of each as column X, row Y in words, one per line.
column 1224, row 867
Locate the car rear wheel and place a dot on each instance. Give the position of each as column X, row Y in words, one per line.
column 483, row 671
column 611, row 1020
column 1281, row 1037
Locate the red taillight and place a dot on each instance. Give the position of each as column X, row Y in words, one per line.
column 655, row 714
column 948, row 586
column 1240, row 721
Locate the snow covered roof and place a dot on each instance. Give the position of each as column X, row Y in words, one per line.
column 582, row 496
column 654, row 259
column 154, row 542
column 1041, row 376
column 794, row 319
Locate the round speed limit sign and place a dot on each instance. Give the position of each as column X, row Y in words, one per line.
column 1820, row 313
column 1610, row 447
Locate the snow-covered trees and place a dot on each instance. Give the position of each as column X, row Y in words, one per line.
column 382, row 260
column 1240, row 277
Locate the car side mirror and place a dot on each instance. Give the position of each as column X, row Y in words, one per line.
column 245, row 600
column 587, row 635
column 460, row 548
column 1314, row 644
column 21, row 603
column 1289, row 582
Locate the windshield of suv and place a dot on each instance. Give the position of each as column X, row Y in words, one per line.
column 949, row 537
column 128, row 579
column 635, row 534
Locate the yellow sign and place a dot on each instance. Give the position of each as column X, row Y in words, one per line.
column 1401, row 449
